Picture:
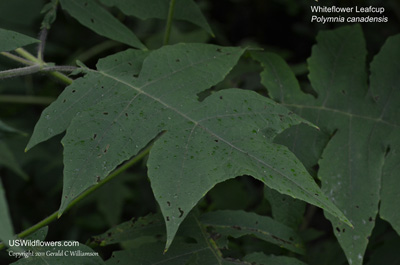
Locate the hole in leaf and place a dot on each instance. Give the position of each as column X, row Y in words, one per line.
column 105, row 113
column 169, row 204
column 92, row 20
column 106, row 149
column 387, row 151
column 177, row 60
column 73, row 91
column 338, row 229
column 167, row 217
column 94, row 136
column 135, row 75
column 219, row 50
column 181, row 212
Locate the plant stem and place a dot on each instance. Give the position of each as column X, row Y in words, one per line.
column 17, row 58
column 28, row 55
column 54, row 216
column 34, row 69
column 169, row 21
column 20, row 71
column 62, row 77
column 32, row 58
column 26, row 99
column 43, row 35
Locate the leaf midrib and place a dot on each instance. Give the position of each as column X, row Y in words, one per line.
column 344, row 113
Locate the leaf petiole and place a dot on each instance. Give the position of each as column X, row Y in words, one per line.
column 169, row 21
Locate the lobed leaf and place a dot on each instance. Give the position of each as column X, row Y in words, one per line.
column 95, row 17
column 364, row 128
column 240, row 223
column 184, row 10
column 112, row 113
column 385, row 88
column 11, row 40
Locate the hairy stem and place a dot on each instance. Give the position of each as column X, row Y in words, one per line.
column 20, row 71
column 54, row 216
column 43, row 36
column 169, row 21
column 34, row 69
column 65, row 79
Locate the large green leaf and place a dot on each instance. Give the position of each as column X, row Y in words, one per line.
column 112, row 113
column 240, row 223
column 361, row 155
column 98, row 19
column 11, row 40
column 143, row 9
column 385, row 86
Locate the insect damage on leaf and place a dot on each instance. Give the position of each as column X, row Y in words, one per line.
column 197, row 150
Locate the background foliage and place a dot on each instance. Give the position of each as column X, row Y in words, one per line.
column 349, row 88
